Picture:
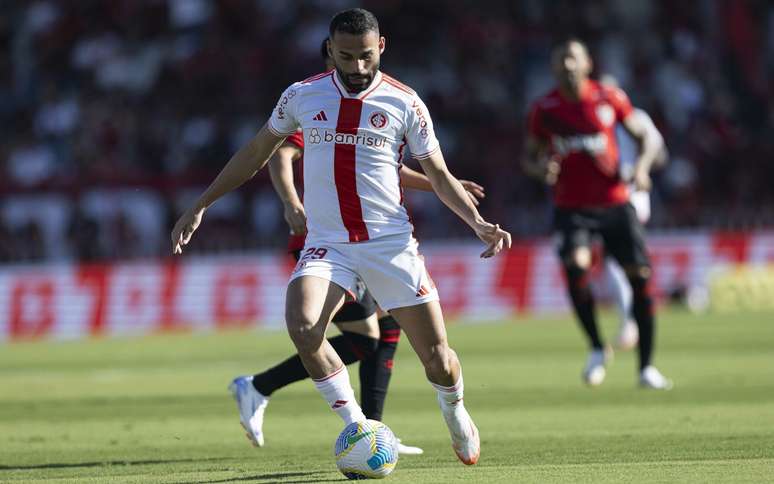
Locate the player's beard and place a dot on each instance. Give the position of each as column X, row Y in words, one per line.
column 357, row 86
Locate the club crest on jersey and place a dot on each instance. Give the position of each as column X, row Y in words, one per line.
column 605, row 114
column 378, row 119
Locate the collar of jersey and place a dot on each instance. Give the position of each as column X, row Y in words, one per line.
column 360, row 95
column 585, row 94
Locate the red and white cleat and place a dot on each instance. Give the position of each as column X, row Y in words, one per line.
column 464, row 433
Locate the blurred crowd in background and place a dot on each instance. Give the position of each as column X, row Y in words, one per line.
column 115, row 113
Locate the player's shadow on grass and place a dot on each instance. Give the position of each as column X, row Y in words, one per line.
column 270, row 478
column 67, row 465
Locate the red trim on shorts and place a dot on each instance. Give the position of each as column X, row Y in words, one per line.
column 345, row 171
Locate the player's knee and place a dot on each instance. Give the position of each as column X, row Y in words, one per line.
column 639, row 278
column 638, row 272
column 304, row 330
column 577, row 278
column 581, row 258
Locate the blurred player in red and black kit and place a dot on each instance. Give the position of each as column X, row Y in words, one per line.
column 572, row 146
column 368, row 335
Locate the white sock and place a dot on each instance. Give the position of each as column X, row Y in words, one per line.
column 450, row 397
column 337, row 391
column 622, row 291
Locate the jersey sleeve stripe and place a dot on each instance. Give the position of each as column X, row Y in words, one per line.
column 276, row 132
column 428, row 154
column 396, row 83
column 317, row 76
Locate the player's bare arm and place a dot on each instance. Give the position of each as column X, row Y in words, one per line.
column 538, row 163
column 241, row 167
column 650, row 148
column 418, row 181
column 281, row 173
column 453, row 195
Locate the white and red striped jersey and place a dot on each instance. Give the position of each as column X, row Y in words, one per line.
column 353, row 148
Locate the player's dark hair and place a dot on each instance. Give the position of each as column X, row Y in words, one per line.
column 565, row 42
column 324, row 49
column 356, row 21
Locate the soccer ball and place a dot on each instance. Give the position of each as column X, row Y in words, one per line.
column 366, row 450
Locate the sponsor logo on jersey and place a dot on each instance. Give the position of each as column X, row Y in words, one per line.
column 605, row 114
column 284, row 102
column 320, row 116
column 594, row 144
column 378, row 119
column 317, row 136
column 423, row 124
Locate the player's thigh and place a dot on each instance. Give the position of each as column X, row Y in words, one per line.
column 573, row 232
column 624, row 239
column 424, row 326
column 395, row 272
column 311, row 302
column 323, row 278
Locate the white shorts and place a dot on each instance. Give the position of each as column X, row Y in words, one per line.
column 390, row 267
column 641, row 201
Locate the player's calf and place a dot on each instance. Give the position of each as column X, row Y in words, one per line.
column 642, row 308
column 376, row 370
column 582, row 298
column 441, row 365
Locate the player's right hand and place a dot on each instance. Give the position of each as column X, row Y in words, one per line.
column 184, row 229
column 295, row 216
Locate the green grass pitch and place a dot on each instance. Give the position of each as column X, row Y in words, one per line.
column 156, row 409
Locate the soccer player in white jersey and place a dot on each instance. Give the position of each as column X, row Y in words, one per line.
column 357, row 122
column 628, row 334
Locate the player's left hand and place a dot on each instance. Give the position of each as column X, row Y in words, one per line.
column 641, row 180
column 184, row 229
column 496, row 238
column 474, row 191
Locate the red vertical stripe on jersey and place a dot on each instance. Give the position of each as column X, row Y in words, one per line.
column 345, row 172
